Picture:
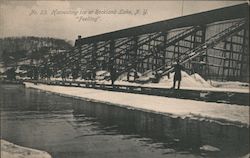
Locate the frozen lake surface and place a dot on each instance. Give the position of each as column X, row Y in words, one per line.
column 67, row 127
column 172, row 106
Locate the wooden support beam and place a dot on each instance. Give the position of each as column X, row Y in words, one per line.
column 165, row 36
column 230, row 56
column 216, row 56
column 235, row 43
column 190, row 41
column 223, row 67
column 94, row 63
column 111, row 54
column 226, row 50
column 181, row 46
column 243, row 52
column 226, row 67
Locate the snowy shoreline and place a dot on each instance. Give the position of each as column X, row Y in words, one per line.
column 219, row 112
column 10, row 150
column 189, row 82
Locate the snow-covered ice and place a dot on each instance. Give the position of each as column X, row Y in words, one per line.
column 209, row 148
column 10, row 150
column 170, row 106
column 230, row 84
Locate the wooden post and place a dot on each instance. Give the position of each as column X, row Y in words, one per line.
column 164, row 50
column 148, row 61
column 224, row 60
column 79, row 47
column 244, row 51
column 229, row 58
column 203, row 39
column 111, row 64
column 135, row 56
column 93, row 63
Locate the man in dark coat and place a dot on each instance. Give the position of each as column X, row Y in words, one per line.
column 177, row 74
column 113, row 76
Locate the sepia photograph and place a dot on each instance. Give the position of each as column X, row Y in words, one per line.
column 124, row 79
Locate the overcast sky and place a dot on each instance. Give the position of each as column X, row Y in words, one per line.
column 67, row 19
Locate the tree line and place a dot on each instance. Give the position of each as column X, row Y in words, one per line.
column 14, row 49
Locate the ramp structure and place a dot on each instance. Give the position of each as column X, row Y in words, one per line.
column 214, row 44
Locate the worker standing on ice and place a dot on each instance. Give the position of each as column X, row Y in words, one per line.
column 177, row 74
column 113, row 74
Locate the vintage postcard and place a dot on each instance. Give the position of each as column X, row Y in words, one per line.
column 124, row 79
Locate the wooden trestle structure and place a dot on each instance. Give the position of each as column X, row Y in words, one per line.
column 214, row 44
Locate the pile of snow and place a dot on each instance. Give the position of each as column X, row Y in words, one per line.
column 209, row 148
column 2, row 70
column 123, row 77
column 194, row 80
column 230, row 84
column 201, row 80
column 20, row 71
column 101, row 72
column 10, row 150
column 148, row 74
column 100, row 75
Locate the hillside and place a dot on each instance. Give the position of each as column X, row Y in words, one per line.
column 13, row 49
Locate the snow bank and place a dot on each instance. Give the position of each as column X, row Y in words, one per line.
column 101, row 72
column 230, row 84
column 187, row 82
column 201, row 80
column 146, row 76
column 100, row 75
column 191, row 82
column 172, row 106
column 123, row 77
column 10, row 150
column 194, row 80
column 246, row 156
column 209, row 148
